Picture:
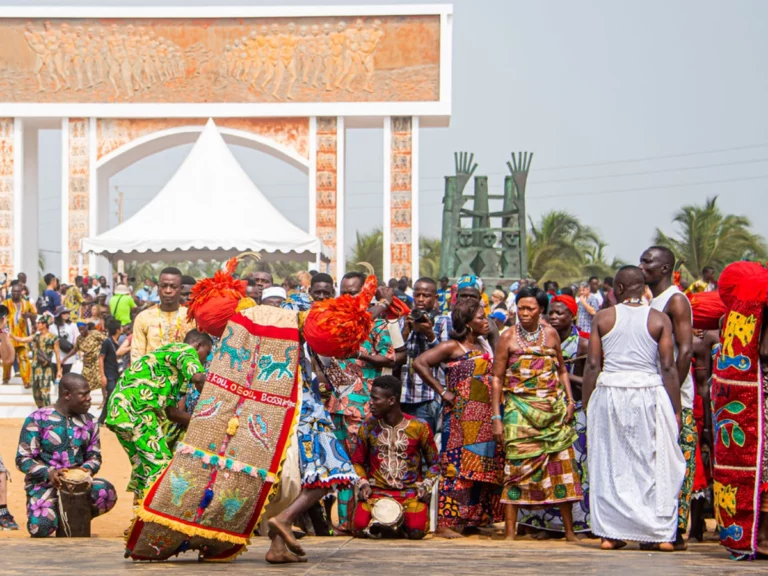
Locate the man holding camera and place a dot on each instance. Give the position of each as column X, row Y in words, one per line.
column 423, row 329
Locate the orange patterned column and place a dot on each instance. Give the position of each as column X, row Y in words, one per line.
column 8, row 175
column 78, row 196
column 401, row 178
column 326, row 185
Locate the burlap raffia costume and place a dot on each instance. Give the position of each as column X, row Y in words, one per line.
column 230, row 464
column 226, row 469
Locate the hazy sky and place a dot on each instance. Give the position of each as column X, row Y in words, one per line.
column 632, row 109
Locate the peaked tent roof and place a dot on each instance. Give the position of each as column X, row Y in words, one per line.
column 209, row 209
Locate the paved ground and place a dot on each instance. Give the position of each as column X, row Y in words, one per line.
column 103, row 554
column 341, row 556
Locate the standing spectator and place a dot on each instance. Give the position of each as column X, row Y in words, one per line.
column 422, row 330
column 100, row 288
column 706, row 283
column 20, row 313
column 444, row 295
column 588, row 307
column 51, row 298
column 89, row 347
column 121, row 304
column 497, row 301
column 594, row 289
column 108, row 364
column 147, row 294
column 74, row 300
column 186, row 288
column 67, row 333
column 511, row 305
column 45, row 346
column 610, row 297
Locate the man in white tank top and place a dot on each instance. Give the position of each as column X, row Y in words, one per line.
column 635, row 465
column 657, row 264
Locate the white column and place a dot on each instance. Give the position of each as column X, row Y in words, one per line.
column 387, row 227
column 415, row 245
column 101, row 207
column 64, row 198
column 341, row 200
column 27, row 211
column 98, row 202
column 313, row 185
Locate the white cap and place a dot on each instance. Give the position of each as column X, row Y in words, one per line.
column 274, row 292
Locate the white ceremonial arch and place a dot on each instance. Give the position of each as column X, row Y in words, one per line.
column 125, row 83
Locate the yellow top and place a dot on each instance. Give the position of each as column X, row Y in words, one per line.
column 154, row 328
column 16, row 321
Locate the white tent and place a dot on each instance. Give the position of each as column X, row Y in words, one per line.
column 210, row 209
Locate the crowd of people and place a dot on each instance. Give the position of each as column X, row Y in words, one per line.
column 558, row 411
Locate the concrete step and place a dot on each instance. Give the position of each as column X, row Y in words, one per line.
column 18, row 402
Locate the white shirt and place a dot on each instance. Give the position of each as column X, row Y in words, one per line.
column 71, row 333
column 101, row 291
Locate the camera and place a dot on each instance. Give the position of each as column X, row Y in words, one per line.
column 418, row 315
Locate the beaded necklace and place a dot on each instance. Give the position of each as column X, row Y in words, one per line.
column 165, row 335
column 526, row 338
column 632, row 301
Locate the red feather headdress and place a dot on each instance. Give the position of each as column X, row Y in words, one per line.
column 338, row 326
column 213, row 301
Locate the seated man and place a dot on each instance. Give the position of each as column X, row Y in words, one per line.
column 55, row 439
column 392, row 449
column 147, row 395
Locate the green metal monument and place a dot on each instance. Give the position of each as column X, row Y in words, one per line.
column 476, row 240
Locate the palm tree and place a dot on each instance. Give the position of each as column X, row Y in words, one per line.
column 368, row 248
column 429, row 257
column 596, row 264
column 710, row 238
column 557, row 247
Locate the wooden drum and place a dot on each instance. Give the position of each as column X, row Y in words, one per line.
column 74, row 505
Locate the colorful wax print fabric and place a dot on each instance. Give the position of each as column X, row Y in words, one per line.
column 48, row 440
column 471, row 463
column 540, row 462
column 136, row 408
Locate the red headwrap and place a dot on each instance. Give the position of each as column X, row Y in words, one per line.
column 568, row 301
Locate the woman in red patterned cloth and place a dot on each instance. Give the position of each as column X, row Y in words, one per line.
column 471, row 462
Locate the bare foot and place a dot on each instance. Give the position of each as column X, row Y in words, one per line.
column 571, row 537
column 284, row 557
column 442, row 532
column 340, row 532
column 678, row 546
column 608, row 544
column 285, row 531
column 762, row 547
column 668, row 547
column 510, row 537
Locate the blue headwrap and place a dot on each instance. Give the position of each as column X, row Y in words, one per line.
column 468, row 281
column 514, row 286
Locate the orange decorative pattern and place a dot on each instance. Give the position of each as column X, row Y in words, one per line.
column 327, row 165
column 7, row 174
column 79, row 191
column 310, row 59
column 290, row 133
column 400, row 181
